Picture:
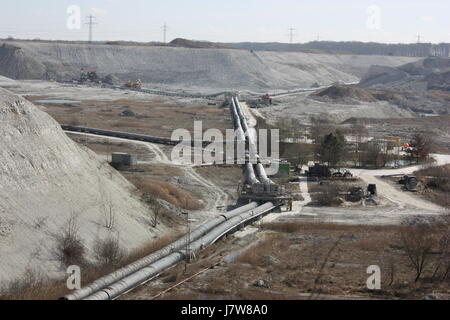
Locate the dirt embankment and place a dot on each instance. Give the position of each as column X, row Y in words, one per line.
column 49, row 185
column 342, row 93
column 425, row 74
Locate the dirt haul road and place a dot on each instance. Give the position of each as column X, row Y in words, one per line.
column 401, row 198
column 220, row 198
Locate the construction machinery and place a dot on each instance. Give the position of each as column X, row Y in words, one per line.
column 342, row 174
column 89, row 75
column 372, row 190
column 266, row 99
column 409, row 183
column 135, row 85
column 319, row 171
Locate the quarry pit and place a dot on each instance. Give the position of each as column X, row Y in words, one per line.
column 51, row 179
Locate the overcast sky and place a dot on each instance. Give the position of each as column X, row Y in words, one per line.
column 231, row 20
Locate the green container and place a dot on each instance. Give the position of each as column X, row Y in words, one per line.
column 284, row 170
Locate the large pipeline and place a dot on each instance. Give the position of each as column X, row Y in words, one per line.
column 261, row 174
column 127, row 135
column 145, row 269
column 142, row 263
column 151, row 271
column 257, row 173
column 249, row 174
column 237, row 117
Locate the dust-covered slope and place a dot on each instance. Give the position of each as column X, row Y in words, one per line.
column 45, row 180
column 429, row 73
column 186, row 67
column 325, row 69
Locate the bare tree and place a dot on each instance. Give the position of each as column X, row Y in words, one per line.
column 442, row 267
column 418, row 242
column 360, row 134
column 420, row 147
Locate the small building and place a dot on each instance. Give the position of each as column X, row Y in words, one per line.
column 319, row 170
column 124, row 159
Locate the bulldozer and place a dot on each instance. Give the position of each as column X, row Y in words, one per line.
column 266, row 99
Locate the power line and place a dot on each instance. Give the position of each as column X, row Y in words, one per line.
column 91, row 24
column 291, row 35
column 164, row 28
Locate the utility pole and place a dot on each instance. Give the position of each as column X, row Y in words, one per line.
column 188, row 242
column 91, row 24
column 164, row 28
column 291, row 35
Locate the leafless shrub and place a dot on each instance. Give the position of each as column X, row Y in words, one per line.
column 31, row 280
column 70, row 249
column 108, row 252
column 157, row 210
column 442, row 265
column 33, row 285
column 329, row 195
column 417, row 243
column 437, row 178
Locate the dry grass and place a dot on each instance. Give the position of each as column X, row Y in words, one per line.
column 108, row 252
column 329, row 195
column 150, row 248
column 168, row 192
column 437, row 182
column 309, row 260
column 129, row 124
column 156, row 116
column 255, row 255
column 33, row 285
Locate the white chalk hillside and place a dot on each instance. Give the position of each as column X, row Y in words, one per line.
column 45, row 178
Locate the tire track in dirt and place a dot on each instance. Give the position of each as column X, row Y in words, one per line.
column 221, row 197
